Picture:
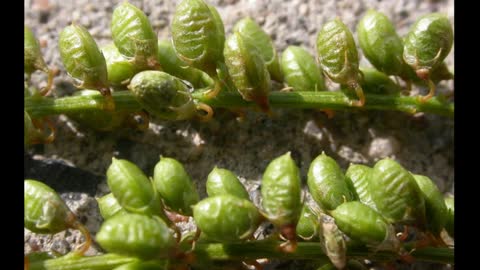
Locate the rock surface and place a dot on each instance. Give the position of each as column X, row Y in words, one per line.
column 77, row 161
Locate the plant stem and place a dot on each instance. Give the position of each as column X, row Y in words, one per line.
column 125, row 101
column 241, row 252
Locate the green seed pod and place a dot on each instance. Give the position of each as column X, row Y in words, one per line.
column 435, row 209
column 307, row 226
column 338, row 57
column 175, row 186
column 449, row 226
column 327, row 183
column 142, row 265
column 223, row 181
column 198, row 35
column 396, row 194
column 163, row 95
column 333, row 244
column 119, row 69
column 247, row 70
column 132, row 189
column 109, row 206
column 300, row 70
column 364, row 224
column 281, row 193
column 134, row 37
column 380, row 42
column 173, row 65
column 99, row 120
column 337, row 53
column 45, row 212
column 137, row 235
column 358, row 174
column 82, row 58
column 254, row 34
column 427, row 43
column 376, row 82
column 31, row 135
column 226, row 218
column 32, row 56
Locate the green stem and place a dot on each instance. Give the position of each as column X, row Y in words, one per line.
column 242, row 252
column 125, row 101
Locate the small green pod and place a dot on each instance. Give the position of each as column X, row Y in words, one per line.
column 119, row 69
column 300, row 70
column 132, row 189
column 333, row 244
column 226, row 218
column 137, row 235
column 435, row 208
column 376, row 82
column 427, row 43
column 44, row 211
column 109, row 206
column 163, row 95
column 359, row 174
column 307, row 226
column 99, row 120
column 396, row 194
column 380, row 42
column 198, row 35
column 327, row 183
column 134, row 37
column 31, row 135
column 253, row 33
column 337, row 53
column 175, row 186
column 281, row 192
column 247, row 70
column 32, row 56
column 222, row 181
column 82, row 58
column 364, row 224
column 449, row 226
column 173, row 65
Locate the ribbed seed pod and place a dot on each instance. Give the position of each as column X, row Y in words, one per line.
column 132, row 189
column 109, row 206
column 137, row 235
column 449, row 226
column 198, row 35
column 327, row 183
column 45, row 212
column 175, row 186
column 333, row 244
column 359, row 174
column 82, row 58
column 254, row 34
column 300, row 70
column 134, row 37
column 428, row 42
column 247, row 70
column 119, row 69
column 222, row 181
column 364, row 224
column 226, row 218
column 99, row 120
column 308, row 224
column 32, row 56
column 426, row 45
column 396, row 194
column 281, row 194
column 163, row 95
column 173, row 65
column 380, row 43
column 435, row 209
column 376, row 82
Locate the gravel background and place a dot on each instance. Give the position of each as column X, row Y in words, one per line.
column 76, row 162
